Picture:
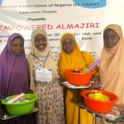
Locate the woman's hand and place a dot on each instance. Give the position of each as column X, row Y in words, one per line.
column 36, row 104
column 96, row 84
column 1, row 113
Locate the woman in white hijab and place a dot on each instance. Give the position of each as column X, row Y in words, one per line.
column 44, row 79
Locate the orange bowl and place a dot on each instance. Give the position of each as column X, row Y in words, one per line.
column 78, row 79
column 99, row 105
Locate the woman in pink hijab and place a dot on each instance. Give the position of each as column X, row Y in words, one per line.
column 14, row 77
column 112, row 63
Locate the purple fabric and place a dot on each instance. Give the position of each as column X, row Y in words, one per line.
column 14, row 77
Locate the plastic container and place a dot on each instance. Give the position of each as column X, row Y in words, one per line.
column 22, row 107
column 99, row 105
column 78, row 79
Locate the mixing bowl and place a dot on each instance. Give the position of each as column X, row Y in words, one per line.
column 78, row 79
column 99, row 106
column 20, row 108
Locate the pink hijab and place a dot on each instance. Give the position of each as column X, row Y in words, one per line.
column 112, row 66
column 14, row 77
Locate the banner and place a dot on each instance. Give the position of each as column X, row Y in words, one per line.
column 84, row 18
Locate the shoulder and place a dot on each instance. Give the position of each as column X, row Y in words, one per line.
column 86, row 54
column 56, row 54
column 87, row 57
column 29, row 56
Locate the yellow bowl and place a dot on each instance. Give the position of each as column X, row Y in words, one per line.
column 99, row 96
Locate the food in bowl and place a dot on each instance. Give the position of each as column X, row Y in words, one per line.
column 99, row 96
column 76, row 71
column 81, row 70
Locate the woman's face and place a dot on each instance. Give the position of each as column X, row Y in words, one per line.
column 111, row 38
column 40, row 42
column 68, row 45
column 17, row 46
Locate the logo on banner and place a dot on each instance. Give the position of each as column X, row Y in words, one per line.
column 1, row 2
column 91, row 4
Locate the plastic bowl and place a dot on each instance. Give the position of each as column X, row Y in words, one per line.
column 78, row 79
column 22, row 107
column 99, row 106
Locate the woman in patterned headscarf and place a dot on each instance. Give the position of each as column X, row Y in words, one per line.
column 72, row 58
column 49, row 90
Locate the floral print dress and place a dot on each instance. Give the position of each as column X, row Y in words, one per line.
column 50, row 96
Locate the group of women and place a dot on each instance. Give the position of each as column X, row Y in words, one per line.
column 42, row 72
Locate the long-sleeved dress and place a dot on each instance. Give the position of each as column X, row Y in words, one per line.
column 50, row 96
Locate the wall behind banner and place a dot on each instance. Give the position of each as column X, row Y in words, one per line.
column 85, row 19
column 116, row 12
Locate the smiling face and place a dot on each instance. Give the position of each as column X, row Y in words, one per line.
column 111, row 38
column 68, row 45
column 40, row 42
column 17, row 46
